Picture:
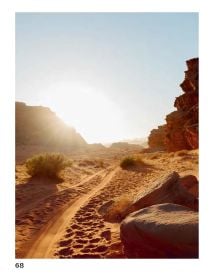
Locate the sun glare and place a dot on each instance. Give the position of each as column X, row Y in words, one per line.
column 90, row 112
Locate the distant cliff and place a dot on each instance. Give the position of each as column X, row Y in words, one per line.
column 37, row 125
column 181, row 129
column 125, row 146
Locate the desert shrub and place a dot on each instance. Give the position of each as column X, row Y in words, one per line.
column 131, row 161
column 127, row 162
column 47, row 165
column 100, row 163
column 118, row 210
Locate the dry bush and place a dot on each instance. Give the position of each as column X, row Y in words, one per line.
column 47, row 165
column 100, row 163
column 118, row 210
column 131, row 161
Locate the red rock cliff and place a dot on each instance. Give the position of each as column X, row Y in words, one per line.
column 156, row 139
column 181, row 129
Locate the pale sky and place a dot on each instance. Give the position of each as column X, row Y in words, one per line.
column 112, row 76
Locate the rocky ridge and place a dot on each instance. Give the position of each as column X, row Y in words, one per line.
column 38, row 125
column 181, row 128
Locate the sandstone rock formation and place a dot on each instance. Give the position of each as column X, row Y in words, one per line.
column 156, row 139
column 170, row 188
column 167, row 189
column 37, row 125
column 181, row 129
column 161, row 231
column 191, row 184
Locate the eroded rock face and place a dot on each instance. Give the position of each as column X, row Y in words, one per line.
column 191, row 184
column 37, row 125
column 181, row 129
column 156, row 139
column 161, row 231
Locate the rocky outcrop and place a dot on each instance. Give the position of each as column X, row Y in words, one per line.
column 161, row 231
column 167, row 189
column 191, row 184
column 170, row 188
column 156, row 139
column 37, row 125
column 181, row 129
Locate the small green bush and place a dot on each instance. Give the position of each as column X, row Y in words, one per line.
column 47, row 165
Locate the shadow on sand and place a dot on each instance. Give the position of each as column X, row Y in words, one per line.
column 35, row 189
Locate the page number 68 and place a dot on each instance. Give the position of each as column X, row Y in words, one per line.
column 19, row 265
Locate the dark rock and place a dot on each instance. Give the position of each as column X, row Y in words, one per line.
column 161, row 231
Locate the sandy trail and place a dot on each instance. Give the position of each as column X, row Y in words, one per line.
column 32, row 204
column 43, row 247
column 68, row 223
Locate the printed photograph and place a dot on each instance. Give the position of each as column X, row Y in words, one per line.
column 107, row 130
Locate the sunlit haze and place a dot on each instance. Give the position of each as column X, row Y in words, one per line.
column 110, row 76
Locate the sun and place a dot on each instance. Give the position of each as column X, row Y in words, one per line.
column 97, row 118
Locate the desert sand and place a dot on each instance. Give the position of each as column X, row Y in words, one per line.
column 61, row 219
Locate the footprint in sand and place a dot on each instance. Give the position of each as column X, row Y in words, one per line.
column 86, row 250
column 80, row 234
column 68, row 235
column 95, row 240
column 65, row 252
column 75, row 227
column 100, row 249
column 81, row 241
column 106, row 234
column 78, row 246
column 90, row 246
column 64, row 243
column 87, row 256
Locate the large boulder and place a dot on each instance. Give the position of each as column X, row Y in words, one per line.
column 167, row 189
column 161, row 231
column 170, row 188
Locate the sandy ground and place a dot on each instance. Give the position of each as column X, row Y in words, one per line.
column 60, row 219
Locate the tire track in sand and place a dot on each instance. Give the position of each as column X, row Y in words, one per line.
column 44, row 245
column 32, row 204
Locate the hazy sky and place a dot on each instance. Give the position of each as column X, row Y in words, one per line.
column 112, row 76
